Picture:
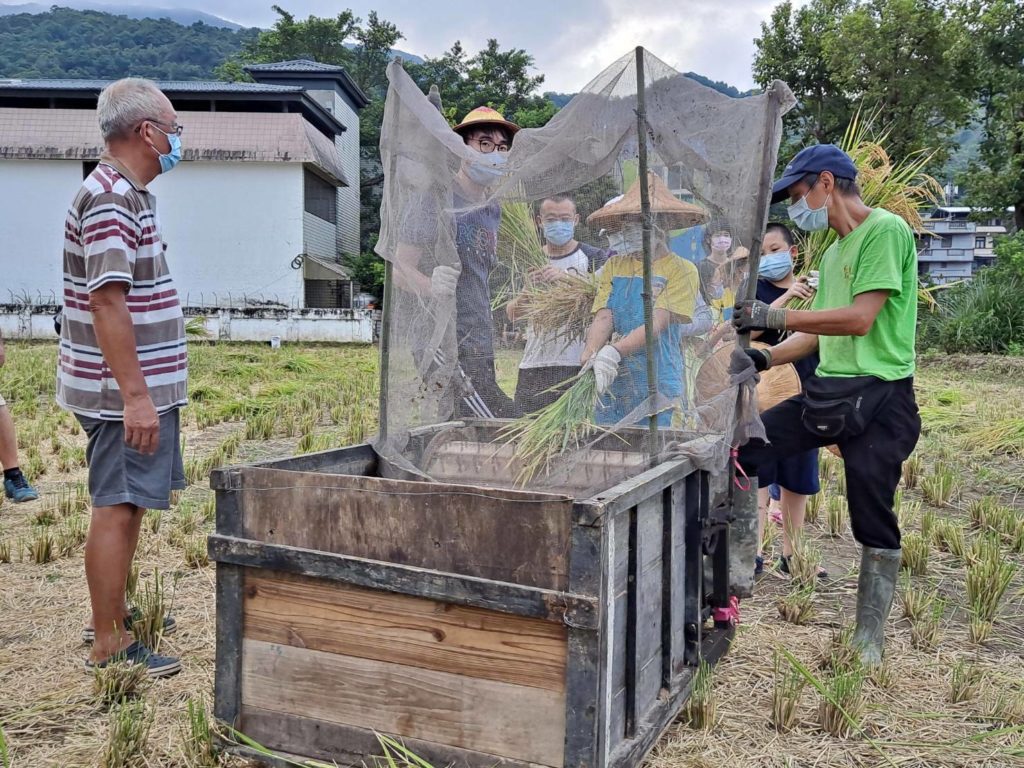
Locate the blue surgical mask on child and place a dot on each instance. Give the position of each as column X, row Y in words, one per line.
column 488, row 170
column 775, row 266
column 559, row 232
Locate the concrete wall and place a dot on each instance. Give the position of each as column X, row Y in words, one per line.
column 36, row 195
column 232, row 231
column 327, row 325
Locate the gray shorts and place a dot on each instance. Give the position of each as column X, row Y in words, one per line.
column 118, row 474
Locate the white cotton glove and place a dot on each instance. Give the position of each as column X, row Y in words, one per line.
column 443, row 281
column 606, row 367
column 812, row 279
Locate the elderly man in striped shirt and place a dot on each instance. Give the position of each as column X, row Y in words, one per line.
column 123, row 365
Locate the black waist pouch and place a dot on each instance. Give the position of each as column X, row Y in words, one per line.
column 839, row 407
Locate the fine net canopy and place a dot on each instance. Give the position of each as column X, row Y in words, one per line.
column 515, row 350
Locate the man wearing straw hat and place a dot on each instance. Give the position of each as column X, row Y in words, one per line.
column 862, row 324
column 620, row 366
column 489, row 135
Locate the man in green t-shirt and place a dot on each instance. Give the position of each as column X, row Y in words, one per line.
column 861, row 398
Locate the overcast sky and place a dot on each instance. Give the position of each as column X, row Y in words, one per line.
column 570, row 40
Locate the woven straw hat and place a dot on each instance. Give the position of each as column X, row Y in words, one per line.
column 669, row 212
column 778, row 383
column 481, row 117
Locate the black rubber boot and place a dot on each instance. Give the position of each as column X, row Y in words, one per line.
column 875, row 589
column 743, row 543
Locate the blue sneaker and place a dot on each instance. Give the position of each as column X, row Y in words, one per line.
column 136, row 653
column 17, row 489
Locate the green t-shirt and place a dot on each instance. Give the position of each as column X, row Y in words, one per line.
column 877, row 255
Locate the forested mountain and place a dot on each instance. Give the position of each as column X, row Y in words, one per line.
column 185, row 16
column 91, row 44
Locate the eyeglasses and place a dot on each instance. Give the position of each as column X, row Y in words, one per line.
column 176, row 128
column 487, row 146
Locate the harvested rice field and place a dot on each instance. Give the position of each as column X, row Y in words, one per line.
column 951, row 693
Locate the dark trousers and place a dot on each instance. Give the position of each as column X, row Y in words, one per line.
column 480, row 370
column 538, row 388
column 873, row 460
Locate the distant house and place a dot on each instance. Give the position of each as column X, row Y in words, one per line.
column 954, row 246
column 258, row 214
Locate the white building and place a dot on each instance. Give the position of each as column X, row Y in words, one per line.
column 259, row 212
column 954, row 246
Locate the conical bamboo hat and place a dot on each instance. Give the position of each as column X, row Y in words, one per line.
column 669, row 212
column 778, row 383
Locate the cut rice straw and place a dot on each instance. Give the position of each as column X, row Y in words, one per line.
column 562, row 308
column 562, row 426
column 519, row 250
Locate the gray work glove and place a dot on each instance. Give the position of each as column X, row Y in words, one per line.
column 758, row 316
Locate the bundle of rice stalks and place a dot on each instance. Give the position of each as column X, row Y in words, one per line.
column 701, row 708
column 902, row 188
column 797, row 607
column 197, row 736
column 562, row 308
column 844, row 702
column 915, row 554
column 949, row 537
column 118, row 682
column 964, row 681
column 924, row 633
column 789, row 684
column 562, row 426
column 1003, row 436
column 917, row 601
column 988, row 576
column 519, row 250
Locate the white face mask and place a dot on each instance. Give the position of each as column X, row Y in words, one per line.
column 630, row 239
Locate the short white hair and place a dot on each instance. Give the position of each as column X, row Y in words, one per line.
column 125, row 103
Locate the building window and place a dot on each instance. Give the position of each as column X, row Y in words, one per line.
column 328, row 294
column 979, row 242
column 321, row 197
column 944, row 242
column 88, row 167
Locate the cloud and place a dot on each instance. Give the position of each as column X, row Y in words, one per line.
column 570, row 40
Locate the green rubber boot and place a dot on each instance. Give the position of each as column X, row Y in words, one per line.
column 875, row 589
column 743, row 543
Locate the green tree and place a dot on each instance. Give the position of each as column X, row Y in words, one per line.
column 496, row 78
column 903, row 59
column 793, row 47
column 996, row 179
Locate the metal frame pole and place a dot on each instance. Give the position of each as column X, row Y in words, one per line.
column 645, row 213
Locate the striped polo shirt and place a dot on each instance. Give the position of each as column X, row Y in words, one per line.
column 112, row 234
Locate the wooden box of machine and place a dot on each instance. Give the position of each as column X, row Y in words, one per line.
column 481, row 626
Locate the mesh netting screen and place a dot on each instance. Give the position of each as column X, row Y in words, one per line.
column 513, row 272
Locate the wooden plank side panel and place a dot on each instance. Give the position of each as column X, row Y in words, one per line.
column 502, row 535
column 306, row 737
column 228, row 672
column 618, row 581
column 650, row 522
column 337, row 618
column 517, row 722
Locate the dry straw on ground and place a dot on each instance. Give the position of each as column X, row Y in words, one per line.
column 50, row 714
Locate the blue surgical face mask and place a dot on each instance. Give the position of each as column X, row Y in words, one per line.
column 807, row 218
column 559, row 232
column 775, row 266
column 488, row 169
column 172, row 158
